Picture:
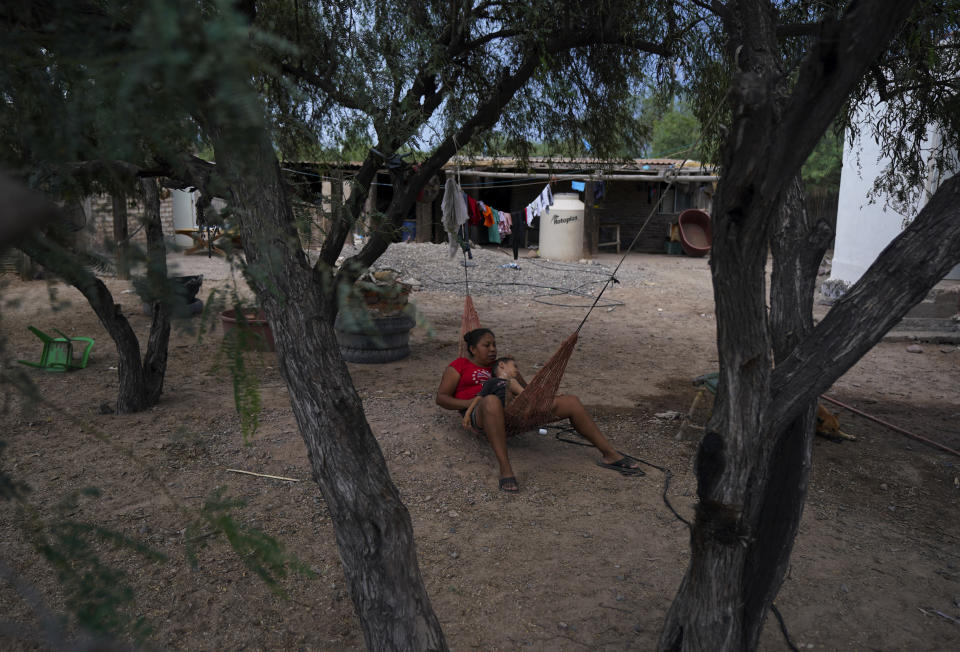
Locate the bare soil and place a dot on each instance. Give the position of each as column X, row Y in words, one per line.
column 582, row 558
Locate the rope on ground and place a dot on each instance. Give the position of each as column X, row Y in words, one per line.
column 559, row 291
column 667, row 473
column 783, row 627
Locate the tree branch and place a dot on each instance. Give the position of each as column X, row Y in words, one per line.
column 902, row 274
column 337, row 95
column 840, row 56
column 798, row 29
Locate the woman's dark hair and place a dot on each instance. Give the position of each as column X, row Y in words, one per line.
column 474, row 336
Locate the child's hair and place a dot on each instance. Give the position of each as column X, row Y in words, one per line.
column 506, row 358
column 472, row 337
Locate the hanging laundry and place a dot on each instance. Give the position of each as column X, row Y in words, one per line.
column 506, row 220
column 493, row 234
column 473, row 210
column 454, row 211
column 546, row 199
column 579, row 186
column 487, row 213
column 503, row 222
column 517, row 232
column 599, row 189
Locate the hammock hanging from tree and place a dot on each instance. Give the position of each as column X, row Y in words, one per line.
column 534, row 406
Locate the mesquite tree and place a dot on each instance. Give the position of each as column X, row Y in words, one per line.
column 403, row 72
column 141, row 379
column 251, row 78
column 790, row 70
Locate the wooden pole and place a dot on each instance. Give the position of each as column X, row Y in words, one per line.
column 591, row 228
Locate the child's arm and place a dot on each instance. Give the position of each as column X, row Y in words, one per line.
column 514, row 387
column 466, row 415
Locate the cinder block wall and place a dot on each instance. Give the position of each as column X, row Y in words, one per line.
column 628, row 203
column 98, row 210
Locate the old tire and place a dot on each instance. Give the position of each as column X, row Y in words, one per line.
column 386, row 340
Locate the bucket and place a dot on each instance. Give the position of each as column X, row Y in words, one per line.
column 252, row 331
column 408, row 232
column 561, row 230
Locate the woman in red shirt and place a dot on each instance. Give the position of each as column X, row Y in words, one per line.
column 462, row 381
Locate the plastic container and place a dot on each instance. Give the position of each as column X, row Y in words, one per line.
column 561, row 230
column 251, row 330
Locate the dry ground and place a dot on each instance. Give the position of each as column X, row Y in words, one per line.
column 581, row 558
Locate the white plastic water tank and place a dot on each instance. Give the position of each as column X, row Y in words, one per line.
column 184, row 215
column 561, row 230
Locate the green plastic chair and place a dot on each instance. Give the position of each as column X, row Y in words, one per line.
column 57, row 354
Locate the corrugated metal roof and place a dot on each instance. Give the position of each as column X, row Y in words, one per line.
column 591, row 164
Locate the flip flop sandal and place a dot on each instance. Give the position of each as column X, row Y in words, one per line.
column 506, row 483
column 622, row 466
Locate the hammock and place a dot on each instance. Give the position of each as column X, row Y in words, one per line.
column 534, row 406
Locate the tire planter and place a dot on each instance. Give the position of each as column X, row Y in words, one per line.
column 385, row 340
column 181, row 296
column 253, row 330
column 195, row 307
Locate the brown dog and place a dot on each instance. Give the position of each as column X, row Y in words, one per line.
column 829, row 426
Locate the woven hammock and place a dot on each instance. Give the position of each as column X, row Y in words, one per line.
column 534, row 406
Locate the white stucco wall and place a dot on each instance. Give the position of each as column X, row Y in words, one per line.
column 863, row 228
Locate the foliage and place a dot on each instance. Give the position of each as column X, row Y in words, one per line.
column 260, row 553
column 675, row 134
column 235, row 350
column 909, row 102
column 97, row 593
column 821, row 172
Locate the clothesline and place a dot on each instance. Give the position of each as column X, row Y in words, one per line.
column 460, row 210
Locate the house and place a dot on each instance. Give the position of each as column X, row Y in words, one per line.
column 866, row 226
column 622, row 199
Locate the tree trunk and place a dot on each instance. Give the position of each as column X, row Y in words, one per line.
column 373, row 528
column 140, row 384
column 155, row 360
column 121, row 235
column 753, row 463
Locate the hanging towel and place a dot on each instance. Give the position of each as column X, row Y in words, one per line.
column 579, row 186
column 454, row 210
column 494, row 228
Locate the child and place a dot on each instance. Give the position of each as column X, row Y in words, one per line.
column 504, row 382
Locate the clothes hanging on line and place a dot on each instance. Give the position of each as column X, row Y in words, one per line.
column 493, row 229
column 487, row 213
column 473, row 209
column 453, row 207
column 517, row 228
column 541, row 204
column 503, row 222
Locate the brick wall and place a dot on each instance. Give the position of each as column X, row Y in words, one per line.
column 98, row 210
column 629, row 203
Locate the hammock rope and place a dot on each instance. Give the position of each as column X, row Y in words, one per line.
column 534, row 406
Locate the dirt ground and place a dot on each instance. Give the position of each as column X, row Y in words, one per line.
column 582, row 558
